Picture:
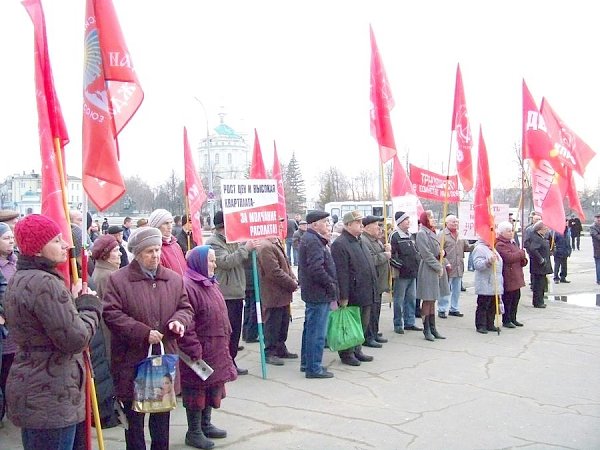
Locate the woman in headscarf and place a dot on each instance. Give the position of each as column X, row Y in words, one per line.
column 46, row 383
column 432, row 279
column 513, row 259
column 171, row 255
column 206, row 339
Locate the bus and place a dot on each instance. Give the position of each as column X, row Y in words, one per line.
column 366, row 208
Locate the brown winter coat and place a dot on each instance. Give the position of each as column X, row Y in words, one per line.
column 135, row 304
column 46, row 383
column 513, row 259
column 277, row 280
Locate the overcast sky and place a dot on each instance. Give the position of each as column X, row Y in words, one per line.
column 299, row 73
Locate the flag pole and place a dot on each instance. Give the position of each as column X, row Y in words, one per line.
column 496, row 295
column 446, row 198
column 261, row 336
column 385, row 231
column 188, row 218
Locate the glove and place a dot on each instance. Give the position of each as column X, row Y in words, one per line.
column 343, row 303
column 87, row 302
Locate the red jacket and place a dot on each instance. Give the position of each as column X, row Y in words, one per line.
column 135, row 304
column 171, row 256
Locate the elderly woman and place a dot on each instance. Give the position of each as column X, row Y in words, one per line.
column 107, row 257
column 46, row 383
column 488, row 285
column 144, row 304
column 171, row 255
column 8, row 267
column 207, row 339
column 432, row 279
column 513, row 261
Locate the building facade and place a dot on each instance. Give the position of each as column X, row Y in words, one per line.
column 23, row 192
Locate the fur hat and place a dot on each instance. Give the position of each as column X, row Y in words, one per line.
column 103, row 246
column 33, row 232
column 140, row 238
column 351, row 216
column 158, row 217
column 8, row 214
column 316, row 215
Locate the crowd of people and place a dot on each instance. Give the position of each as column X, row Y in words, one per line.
column 153, row 285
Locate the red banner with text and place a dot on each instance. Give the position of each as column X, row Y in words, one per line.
column 432, row 185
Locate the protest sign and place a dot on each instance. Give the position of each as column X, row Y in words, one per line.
column 466, row 217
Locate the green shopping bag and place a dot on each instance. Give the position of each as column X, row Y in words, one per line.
column 344, row 328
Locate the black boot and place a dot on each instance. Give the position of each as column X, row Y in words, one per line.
column 194, row 436
column 208, row 428
column 433, row 329
column 427, row 329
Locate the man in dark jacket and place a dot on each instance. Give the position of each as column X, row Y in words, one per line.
column 575, row 228
column 184, row 233
column 318, row 283
column 540, row 265
column 595, row 235
column 356, row 278
column 405, row 266
column 292, row 227
column 562, row 250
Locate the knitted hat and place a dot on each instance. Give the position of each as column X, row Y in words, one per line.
column 351, row 217
column 140, row 238
column 33, row 232
column 7, row 214
column 219, row 221
column 400, row 217
column 103, row 246
column 158, row 217
column 3, row 228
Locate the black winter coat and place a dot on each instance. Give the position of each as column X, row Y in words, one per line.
column 357, row 277
column 404, row 255
column 539, row 254
column 316, row 270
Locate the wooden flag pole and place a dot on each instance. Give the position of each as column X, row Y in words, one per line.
column 445, row 208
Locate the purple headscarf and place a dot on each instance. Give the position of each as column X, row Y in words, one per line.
column 197, row 264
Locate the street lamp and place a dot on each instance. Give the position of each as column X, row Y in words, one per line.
column 211, row 202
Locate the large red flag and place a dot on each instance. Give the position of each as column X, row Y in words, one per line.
column 111, row 96
column 194, row 190
column 257, row 167
column 482, row 204
column 382, row 103
column 281, row 208
column 52, row 131
column 568, row 147
column 403, row 194
column 461, row 134
column 536, row 147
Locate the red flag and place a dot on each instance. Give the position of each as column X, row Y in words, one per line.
column 569, row 148
column 402, row 187
column 484, row 220
column 536, row 146
column 111, row 96
column 281, row 208
column 462, row 134
column 52, row 131
column 382, row 103
column 193, row 190
column 257, row 168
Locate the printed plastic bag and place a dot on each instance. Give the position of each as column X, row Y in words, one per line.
column 154, row 384
column 344, row 328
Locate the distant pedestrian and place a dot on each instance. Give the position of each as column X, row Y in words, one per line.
column 562, row 251
column 595, row 234
column 105, row 226
column 127, row 223
column 575, row 227
column 292, row 227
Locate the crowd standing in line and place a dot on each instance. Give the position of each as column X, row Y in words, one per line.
column 155, row 289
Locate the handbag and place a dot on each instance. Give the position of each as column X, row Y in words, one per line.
column 344, row 328
column 154, row 383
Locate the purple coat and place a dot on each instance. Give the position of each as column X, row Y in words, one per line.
column 513, row 261
column 208, row 337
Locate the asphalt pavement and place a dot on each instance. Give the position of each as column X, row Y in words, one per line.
column 535, row 387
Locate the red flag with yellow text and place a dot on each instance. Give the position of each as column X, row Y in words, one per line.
column 482, row 204
column 111, row 96
column 461, row 134
column 194, row 190
column 281, row 208
column 52, row 132
column 382, row 103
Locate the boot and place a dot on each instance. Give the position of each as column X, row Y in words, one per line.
column 194, row 436
column 433, row 329
column 208, row 428
column 427, row 329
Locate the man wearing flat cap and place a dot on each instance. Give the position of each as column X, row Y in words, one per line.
column 145, row 304
column 540, row 264
column 357, row 278
column 318, row 288
column 117, row 232
column 381, row 254
column 9, row 217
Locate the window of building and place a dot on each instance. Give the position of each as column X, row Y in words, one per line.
column 216, row 158
column 229, row 158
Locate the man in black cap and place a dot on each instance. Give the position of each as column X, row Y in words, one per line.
column 318, row 283
column 117, row 232
column 381, row 254
column 356, row 278
column 232, row 279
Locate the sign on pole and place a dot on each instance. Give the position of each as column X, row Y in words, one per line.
column 466, row 215
column 250, row 209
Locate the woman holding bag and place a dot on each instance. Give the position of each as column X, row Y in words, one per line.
column 207, row 339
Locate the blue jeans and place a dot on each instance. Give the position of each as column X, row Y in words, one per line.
column 289, row 249
column 404, row 294
column 313, row 336
column 597, row 261
column 55, row 438
column 452, row 298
